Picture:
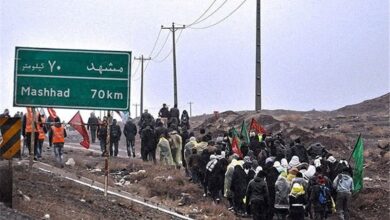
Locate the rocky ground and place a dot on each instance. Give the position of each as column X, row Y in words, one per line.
column 44, row 193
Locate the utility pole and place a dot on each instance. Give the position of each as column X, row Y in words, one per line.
column 190, row 103
column 174, row 29
column 136, row 109
column 258, row 58
column 142, row 80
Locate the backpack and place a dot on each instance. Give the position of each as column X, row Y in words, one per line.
column 322, row 196
column 114, row 132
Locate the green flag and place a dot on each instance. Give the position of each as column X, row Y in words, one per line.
column 358, row 157
column 244, row 133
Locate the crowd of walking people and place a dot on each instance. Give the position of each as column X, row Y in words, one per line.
column 269, row 178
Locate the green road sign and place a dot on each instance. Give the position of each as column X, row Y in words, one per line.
column 80, row 79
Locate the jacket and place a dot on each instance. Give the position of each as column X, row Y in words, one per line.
column 300, row 151
column 115, row 132
column 343, row 183
column 229, row 175
column 282, row 190
column 93, row 123
column 130, row 130
column 102, row 133
column 165, row 151
column 239, row 181
column 257, row 190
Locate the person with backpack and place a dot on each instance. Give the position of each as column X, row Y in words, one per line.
column 297, row 200
column 343, row 184
column 320, row 198
column 115, row 135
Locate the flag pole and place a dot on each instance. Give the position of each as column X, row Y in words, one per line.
column 354, row 147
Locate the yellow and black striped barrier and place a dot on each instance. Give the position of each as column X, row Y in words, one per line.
column 10, row 131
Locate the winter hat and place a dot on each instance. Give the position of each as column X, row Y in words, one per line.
column 284, row 163
column 258, row 169
column 297, row 189
column 269, row 160
column 276, row 164
column 247, row 159
column 331, row 159
column 192, row 139
column 293, row 171
column 294, row 161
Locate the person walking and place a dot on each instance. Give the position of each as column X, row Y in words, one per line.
column 257, row 196
column 297, row 202
column 59, row 134
column 41, row 136
column 102, row 136
column 115, row 135
column 130, row 130
column 343, row 184
column 165, row 150
column 92, row 126
column 27, row 127
column 164, row 112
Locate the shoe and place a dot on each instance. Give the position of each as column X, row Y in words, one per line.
column 134, row 155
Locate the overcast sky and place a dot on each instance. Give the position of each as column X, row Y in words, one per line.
column 316, row 54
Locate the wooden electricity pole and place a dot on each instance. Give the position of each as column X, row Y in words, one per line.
column 136, row 109
column 142, row 80
column 174, row 29
column 190, row 103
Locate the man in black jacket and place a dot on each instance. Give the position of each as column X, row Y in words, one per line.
column 174, row 113
column 130, row 130
column 115, row 135
column 299, row 150
column 257, row 196
column 164, row 112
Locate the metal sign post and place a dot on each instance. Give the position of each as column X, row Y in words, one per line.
column 107, row 156
column 32, row 140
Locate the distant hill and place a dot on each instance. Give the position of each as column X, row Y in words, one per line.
column 376, row 105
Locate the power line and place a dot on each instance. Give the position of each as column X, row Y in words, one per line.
column 165, row 42
column 217, row 9
column 223, row 19
column 135, row 72
column 166, row 57
column 155, row 44
column 196, row 21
